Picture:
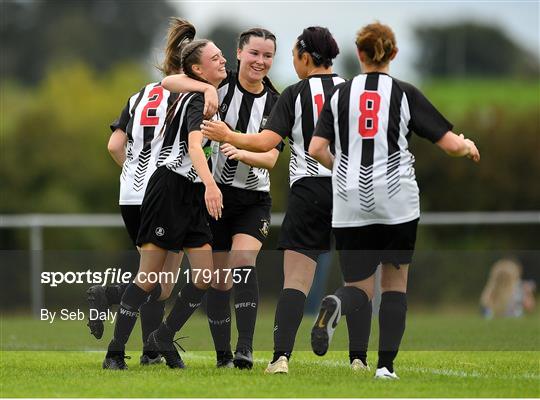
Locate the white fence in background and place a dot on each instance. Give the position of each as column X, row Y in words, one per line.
column 36, row 223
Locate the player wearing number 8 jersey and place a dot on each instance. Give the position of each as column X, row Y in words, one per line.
column 306, row 229
column 376, row 199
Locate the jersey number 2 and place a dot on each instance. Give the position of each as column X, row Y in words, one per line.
column 368, row 124
column 154, row 99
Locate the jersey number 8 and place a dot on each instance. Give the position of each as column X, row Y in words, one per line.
column 368, row 123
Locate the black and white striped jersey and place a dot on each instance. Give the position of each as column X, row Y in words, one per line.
column 245, row 112
column 295, row 116
column 188, row 117
column 370, row 120
column 142, row 119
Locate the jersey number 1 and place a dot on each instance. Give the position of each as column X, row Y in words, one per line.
column 368, row 124
column 154, row 99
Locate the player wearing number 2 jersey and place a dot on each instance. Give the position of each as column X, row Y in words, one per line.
column 369, row 120
column 306, row 229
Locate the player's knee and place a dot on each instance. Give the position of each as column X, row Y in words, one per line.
column 166, row 290
column 202, row 285
column 222, row 286
column 363, row 286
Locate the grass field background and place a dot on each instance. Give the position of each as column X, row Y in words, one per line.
column 446, row 354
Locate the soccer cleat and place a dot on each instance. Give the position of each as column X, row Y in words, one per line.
column 116, row 361
column 224, row 360
column 150, row 359
column 358, row 365
column 243, row 359
column 280, row 366
column 383, row 373
column 97, row 300
column 325, row 324
column 167, row 349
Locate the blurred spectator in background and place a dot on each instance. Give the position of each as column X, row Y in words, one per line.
column 505, row 293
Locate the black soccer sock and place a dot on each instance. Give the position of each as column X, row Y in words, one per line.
column 114, row 293
column 359, row 327
column 155, row 293
column 355, row 305
column 289, row 313
column 246, row 302
column 188, row 300
column 151, row 317
column 392, row 313
column 128, row 312
column 218, row 310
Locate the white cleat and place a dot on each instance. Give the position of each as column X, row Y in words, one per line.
column 280, row 366
column 325, row 324
column 358, row 365
column 383, row 373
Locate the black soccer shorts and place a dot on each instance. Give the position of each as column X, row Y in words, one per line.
column 361, row 249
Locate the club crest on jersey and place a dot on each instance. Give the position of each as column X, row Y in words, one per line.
column 160, row 231
column 264, row 228
column 263, row 122
column 223, row 107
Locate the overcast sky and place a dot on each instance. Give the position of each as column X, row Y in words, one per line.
column 519, row 19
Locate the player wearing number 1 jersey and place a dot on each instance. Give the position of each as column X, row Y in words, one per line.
column 306, row 229
column 369, row 120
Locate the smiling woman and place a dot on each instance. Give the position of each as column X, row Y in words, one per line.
column 182, row 164
column 246, row 98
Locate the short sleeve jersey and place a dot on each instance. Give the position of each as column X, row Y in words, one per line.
column 245, row 112
column 142, row 119
column 188, row 117
column 370, row 120
column 295, row 116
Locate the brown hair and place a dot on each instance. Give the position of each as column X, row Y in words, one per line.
column 378, row 42
column 191, row 55
column 180, row 33
column 265, row 34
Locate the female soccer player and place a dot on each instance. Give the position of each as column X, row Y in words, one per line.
column 375, row 194
column 246, row 98
column 305, row 232
column 172, row 212
column 134, row 146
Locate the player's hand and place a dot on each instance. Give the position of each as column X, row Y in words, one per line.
column 232, row 152
column 473, row 154
column 214, row 201
column 215, row 130
column 211, row 102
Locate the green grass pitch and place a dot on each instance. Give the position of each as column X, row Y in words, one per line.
column 452, row 354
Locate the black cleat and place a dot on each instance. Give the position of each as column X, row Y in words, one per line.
column 325, row 324
column 168, row 350
column 150, row 358
column 243, row 359
column 115, row 361
column 97, row 300
column 224, row 359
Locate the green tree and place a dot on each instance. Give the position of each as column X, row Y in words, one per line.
column 35, row 35
column 468, row 48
